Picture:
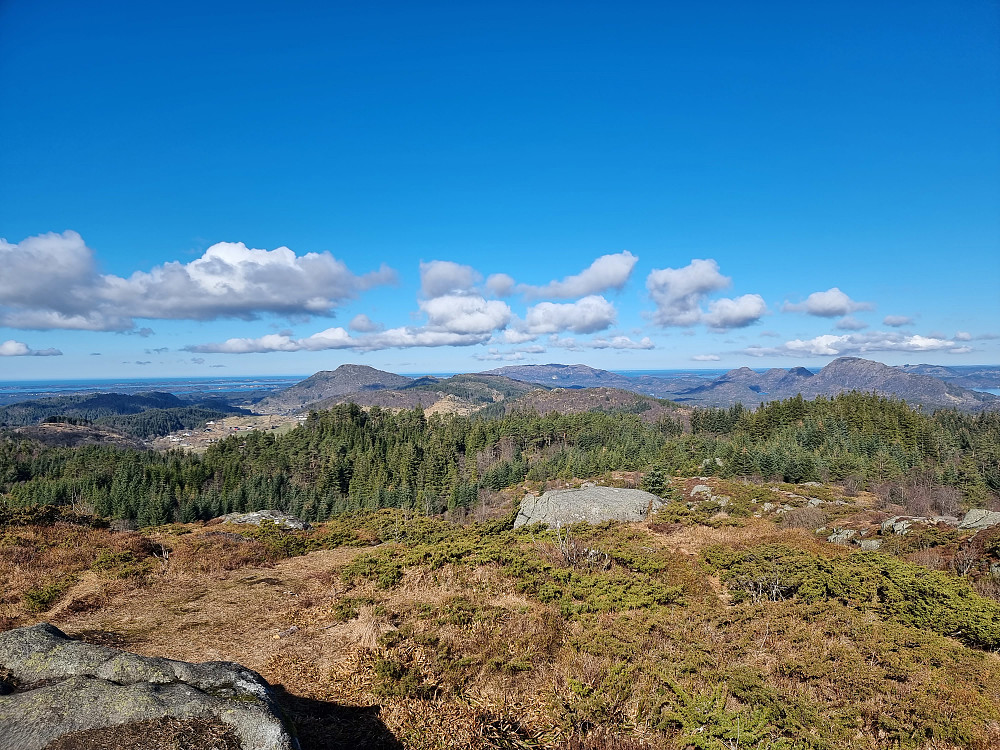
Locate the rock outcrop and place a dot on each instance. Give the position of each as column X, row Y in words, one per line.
column 256, row 517
column 592, row 504
column 979, row 518
column 52, row 685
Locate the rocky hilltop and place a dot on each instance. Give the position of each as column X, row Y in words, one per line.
column 526, row 386
column 328, row 384
column 751, row 388
column 843, row 374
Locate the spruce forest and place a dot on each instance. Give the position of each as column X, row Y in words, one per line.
column 347, row 459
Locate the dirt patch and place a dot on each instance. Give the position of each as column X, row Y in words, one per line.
column 176, row 734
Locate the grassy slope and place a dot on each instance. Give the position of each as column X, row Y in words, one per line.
column 480, row 637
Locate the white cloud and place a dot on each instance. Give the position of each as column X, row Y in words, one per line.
column 588, row 315
column 418, row 337
column 963, row 336
column 850, row 323
column 607, row 272
column 465, row 314
column 232, row 280
column 272, row 342
column 961, row 350
column 331, row 338
column 51, row 281
column 518, row 336
column 829, row 304
column 735, row 313
column 441, row 277
column 13, row 348
column 831, row 345
column 500, row 284
column 495, row 355
column 678, row 292
column 896, row 321
column 621, row 342
column 706, row 357
column 363, row 324
column 568, row 343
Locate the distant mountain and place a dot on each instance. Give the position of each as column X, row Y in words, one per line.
column 967, row 376
column 844, row 374
column 582, row 376
column 459, row 393
column 579, row 400
column 564, row 376
column 329, row 384
column 523, row 386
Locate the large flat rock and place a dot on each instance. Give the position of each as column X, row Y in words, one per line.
column 55, row 685
column 590, row 504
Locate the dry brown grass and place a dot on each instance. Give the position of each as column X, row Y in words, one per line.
column 492, row 667
column 40, row 564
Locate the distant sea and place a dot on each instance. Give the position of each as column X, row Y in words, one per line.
column 25, row 390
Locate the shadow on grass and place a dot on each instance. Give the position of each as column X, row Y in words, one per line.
column 331, row 726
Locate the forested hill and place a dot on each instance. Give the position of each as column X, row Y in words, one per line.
column 142, row 415
column 329, row 384
column 347, row 458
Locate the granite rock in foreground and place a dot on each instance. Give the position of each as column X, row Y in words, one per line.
column 51, row 685
column 589, row 503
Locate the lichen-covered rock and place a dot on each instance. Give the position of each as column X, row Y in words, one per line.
column 841, row 536
column 591, row 504
column 61, row 685
column 256, row 517
column 979, row 518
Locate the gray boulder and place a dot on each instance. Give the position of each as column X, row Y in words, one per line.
column 841, row 536
column 590, row 504
column 979, row 518
column 256, row 517
column 57, row 685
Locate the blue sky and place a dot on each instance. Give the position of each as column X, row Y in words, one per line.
column 232, row 188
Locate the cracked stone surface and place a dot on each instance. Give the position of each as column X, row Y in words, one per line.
column 58, row 685
column 590, row 504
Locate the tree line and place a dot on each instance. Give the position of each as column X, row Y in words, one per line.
column 348, row 458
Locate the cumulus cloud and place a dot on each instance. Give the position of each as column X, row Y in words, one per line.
column 465, row 314
column 621, row 342
column 832, row 345
column 11, row 348
column 679, row 292
column 706, row 357
column 500, row 284
column 232, row 280
column 272, row 342
column 339, row 338
column 607, row 272
column 963, row 336
column 441, row 277
column 588, row 315
column 495, row 355
column 518, row 336
column 229, row 280
column 829, row 304
column 363, row 324
column 850, row 323
column 897, row 321
column 735, row 313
